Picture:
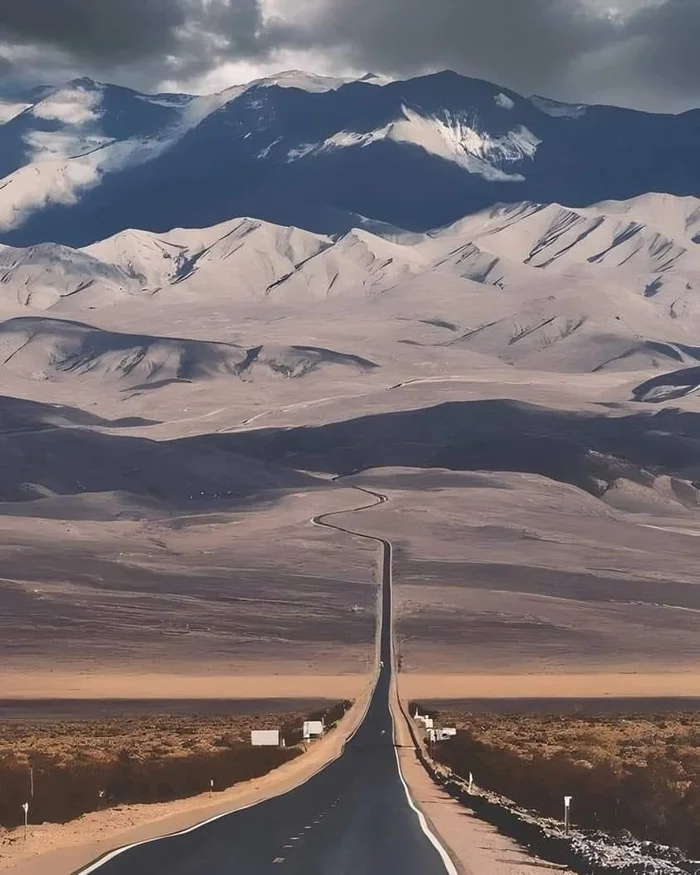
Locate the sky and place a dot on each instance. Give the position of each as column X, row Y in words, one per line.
column 639, row 53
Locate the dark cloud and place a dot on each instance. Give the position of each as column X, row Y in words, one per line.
column 137, row 39
column 94, row 29
column 665, row 53
column 565, row 48
column 523, row 43
column 573, row 49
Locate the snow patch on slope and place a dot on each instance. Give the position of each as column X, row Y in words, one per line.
column 453, row 137
column 62, row 180
column 10, row 109
column 557, row 109
column 76, row 105
column 67, row 162
column 504, row 101
column 304, row 81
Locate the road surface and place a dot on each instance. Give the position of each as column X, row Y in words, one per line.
column 355, row 817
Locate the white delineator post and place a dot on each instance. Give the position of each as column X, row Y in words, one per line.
column 471, row 783
column 567, row 815
column 25, row 809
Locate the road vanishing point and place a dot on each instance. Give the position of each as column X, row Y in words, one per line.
column 354, row 817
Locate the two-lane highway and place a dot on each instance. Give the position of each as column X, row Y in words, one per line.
column 355, row 817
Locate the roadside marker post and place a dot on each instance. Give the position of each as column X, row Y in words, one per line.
column 25, row 809
column 31, row 781
column 471, row 783
column 567, row 815
column 211, row 787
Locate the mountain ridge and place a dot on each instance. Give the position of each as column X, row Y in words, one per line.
column 88, row 160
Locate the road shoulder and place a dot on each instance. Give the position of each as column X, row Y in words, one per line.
column 474, row 846
column 63, row 849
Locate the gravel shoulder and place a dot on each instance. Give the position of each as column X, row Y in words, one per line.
column 474, row 846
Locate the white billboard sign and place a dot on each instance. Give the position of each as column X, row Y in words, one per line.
column 265, row 738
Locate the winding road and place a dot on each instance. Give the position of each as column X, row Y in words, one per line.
column 354, row 817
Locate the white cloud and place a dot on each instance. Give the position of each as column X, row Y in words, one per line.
column 234, row 73
column 61, row 144
column 9, row 110
column 72, row 106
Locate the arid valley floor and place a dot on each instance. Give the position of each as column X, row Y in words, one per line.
column 156, row 533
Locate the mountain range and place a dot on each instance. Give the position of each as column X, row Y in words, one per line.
column 304, row 251
column 85, row 161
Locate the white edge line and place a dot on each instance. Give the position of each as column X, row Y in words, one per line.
column 112, row 854
column 422, row 821
column 432, row 838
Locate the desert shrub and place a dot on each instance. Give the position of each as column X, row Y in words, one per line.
column 65, row 791
column 654, row 796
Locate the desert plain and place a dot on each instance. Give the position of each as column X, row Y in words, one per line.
column 529, row 426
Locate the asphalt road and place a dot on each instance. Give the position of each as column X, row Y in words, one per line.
column 352, row 818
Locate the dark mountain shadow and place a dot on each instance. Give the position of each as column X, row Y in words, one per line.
column 261, row 155
column 585, row 450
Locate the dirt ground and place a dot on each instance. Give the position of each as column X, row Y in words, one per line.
column 512, row 574
column 547, row 590
column 185, row 606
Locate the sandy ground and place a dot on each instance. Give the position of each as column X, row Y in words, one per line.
column 39, row 684
column 62, row 849
column 255, row 592
column 435, row 687
column 496, row 574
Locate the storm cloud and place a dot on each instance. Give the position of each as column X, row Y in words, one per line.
column 633, row 51
column 94, row 29
column 504, row 40
column 138, row 40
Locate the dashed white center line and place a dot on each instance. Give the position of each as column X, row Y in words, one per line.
column 278, row 860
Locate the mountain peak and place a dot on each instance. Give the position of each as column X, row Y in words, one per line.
column 85, row 82
column 311, row 82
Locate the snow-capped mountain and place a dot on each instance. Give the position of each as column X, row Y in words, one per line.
column 85, row 161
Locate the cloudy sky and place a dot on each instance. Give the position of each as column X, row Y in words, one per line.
column 640, row 53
